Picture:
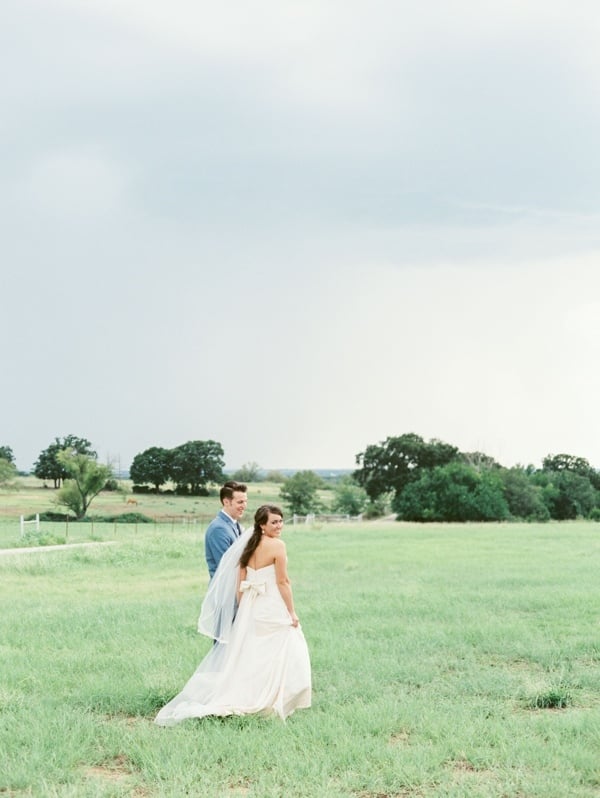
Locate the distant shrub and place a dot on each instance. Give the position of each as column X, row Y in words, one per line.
column 595, row 514
column 111, row 484
column 249, row 472
column 349, row 498
column 133, row 518
column 51, row 516
column 186, row 490
column 142, row 489
column 275, row 476
column 35, row 538
column 375, row 508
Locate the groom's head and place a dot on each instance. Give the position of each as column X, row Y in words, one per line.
column 234, row 499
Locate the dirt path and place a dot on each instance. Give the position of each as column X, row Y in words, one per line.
column 58, row 547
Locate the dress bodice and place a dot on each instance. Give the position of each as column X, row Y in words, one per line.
column 259, row 580
column 264, row 568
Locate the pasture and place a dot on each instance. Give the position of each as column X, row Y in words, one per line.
column 448, row 661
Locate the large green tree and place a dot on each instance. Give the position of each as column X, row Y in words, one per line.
column 525, row 499
column 557, row 463
column 152, row 466
column 196, row 464
column 300, row 492
column 454, row 492
column 567, row 495
column 48, row 465
column 85, row 479
column 570, row 486
column 6, row 453
column 7, row 471
column 390, row 466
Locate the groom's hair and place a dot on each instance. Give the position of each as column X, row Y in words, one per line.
column 229, row 488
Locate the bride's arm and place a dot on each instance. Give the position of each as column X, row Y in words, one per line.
column 283, row 582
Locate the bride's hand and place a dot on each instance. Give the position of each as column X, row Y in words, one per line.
column 294, row 618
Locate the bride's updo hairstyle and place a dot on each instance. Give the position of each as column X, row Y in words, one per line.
column 261, row 516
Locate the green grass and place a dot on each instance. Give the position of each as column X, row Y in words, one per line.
column 448, row 661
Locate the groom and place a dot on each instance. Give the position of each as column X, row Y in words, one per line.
column 225, row 528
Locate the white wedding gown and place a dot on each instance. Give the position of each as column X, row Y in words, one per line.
column 264, row 668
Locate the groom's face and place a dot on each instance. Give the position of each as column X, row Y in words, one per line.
column 236, row 506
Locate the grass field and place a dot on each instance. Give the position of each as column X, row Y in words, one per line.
column 459, row 660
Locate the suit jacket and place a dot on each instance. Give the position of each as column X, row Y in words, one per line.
column 219, row 536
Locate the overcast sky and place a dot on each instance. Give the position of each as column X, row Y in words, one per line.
column 298, row 228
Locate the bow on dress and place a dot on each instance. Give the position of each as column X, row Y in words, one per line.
column 253, row 588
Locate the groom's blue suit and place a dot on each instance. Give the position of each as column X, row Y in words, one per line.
column 219, row 536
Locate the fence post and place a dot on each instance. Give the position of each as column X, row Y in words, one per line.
column 35, row 521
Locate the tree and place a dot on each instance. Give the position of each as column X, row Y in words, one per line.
column 275, row 476
column 571, row 487
column 393, row 464
column 479, row 460
column 6, row 453
column 195, row 464
column 48, row 466
column 249, row 472
column 348, row 497
column 566, row 462
column 524, row 498
column 152, row 466
column 85, row 479
column 7, row 471
column 557, row 463
column 454, row 492
column 567, row 495
column 299, row 492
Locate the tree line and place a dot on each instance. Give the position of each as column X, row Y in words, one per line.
column 434, row 481
column 418, row 480
column 71, row 464
column 423, row 480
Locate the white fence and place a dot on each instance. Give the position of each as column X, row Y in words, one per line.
column 35, row 521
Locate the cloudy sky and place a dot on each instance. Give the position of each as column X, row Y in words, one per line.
column 298, row 228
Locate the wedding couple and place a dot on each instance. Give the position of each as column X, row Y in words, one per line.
column 259, row 662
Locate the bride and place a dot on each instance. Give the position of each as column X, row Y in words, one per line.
column 260, row 662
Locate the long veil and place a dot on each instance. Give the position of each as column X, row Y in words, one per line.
column 220, row 603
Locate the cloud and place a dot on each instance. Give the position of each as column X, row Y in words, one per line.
column 349, row 111
column 74, row 185
column 362, row 219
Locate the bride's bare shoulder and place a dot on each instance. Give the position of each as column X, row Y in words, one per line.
column 273, row 544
